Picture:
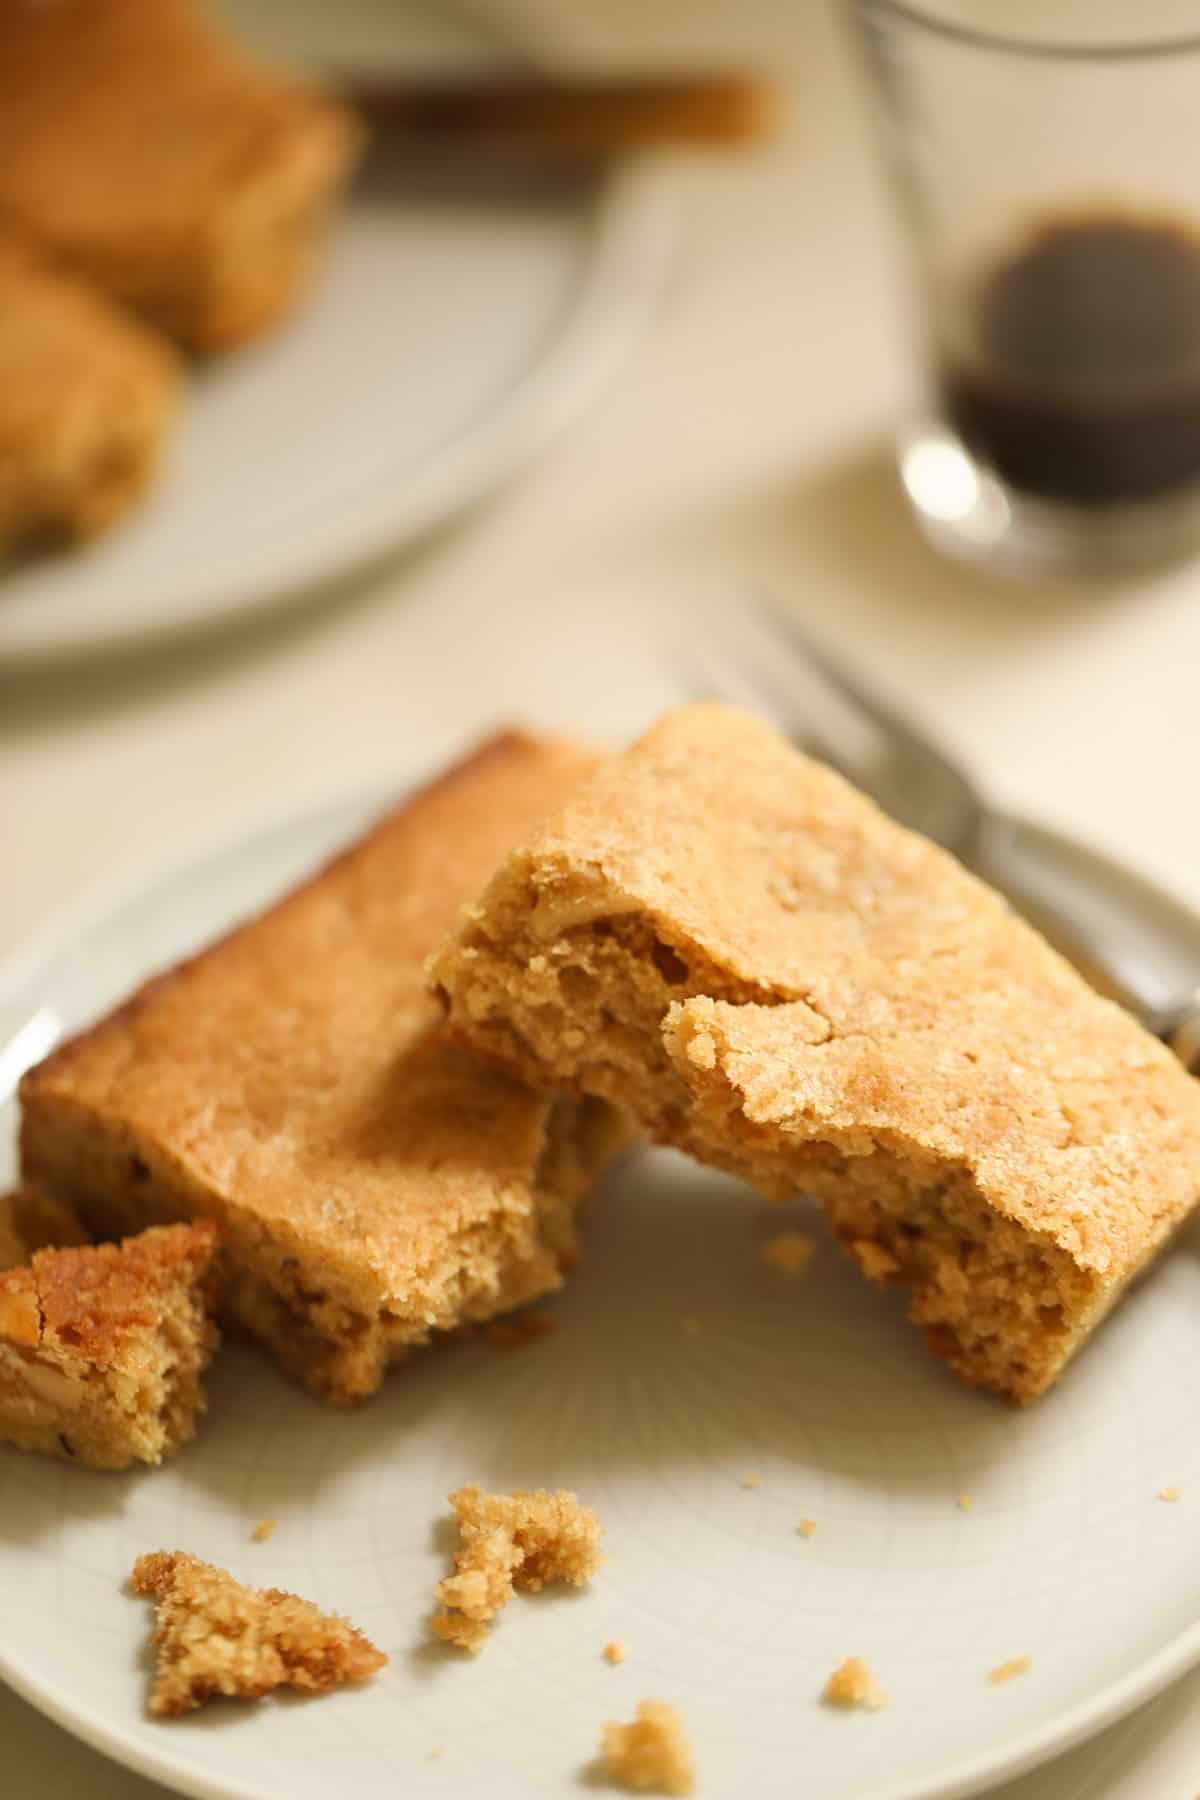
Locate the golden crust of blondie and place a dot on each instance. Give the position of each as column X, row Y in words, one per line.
column 524, row 1540
column 87, row 396
column 148, row 151
column 32, row 1221
column 103, row 1347
column 216, row 1638
column 726, row 937
column 651, row 1754
column 375, row 1184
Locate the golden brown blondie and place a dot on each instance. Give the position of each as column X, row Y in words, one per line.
column 87, row 396
column 103, row 1348
column 146, row 150
column 374, row 1184
column 728, row 939
column 217, row 1638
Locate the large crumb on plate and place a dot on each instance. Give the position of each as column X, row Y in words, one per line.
column 651, row 1754
column 215, row 1637
column 526, row 1540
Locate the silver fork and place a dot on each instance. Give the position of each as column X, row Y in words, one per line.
column 1127, row 935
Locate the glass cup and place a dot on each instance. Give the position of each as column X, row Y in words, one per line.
column 1047, row 172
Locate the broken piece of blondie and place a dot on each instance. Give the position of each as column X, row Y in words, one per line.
column 215, row 1637
column 103, row 1348
column 724, row 936
column 526, row 1539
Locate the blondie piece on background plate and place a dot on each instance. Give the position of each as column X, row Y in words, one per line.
column 87, row 396
column 374, row 1183
column 146, row 150
column 723, row 936
column 103, row 1348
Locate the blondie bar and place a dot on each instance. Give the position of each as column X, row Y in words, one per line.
column 374, row 1183
column 725, row 937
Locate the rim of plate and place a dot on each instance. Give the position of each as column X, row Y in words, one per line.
column 967, row 1777
column 635, row 212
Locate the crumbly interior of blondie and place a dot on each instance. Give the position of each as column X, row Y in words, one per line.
column 651, row 1755
column 124, row 1384
column 600, row 1005
column 526, row 1540
column 215, row 1637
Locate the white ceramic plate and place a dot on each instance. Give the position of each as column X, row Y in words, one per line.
column 818, row 1389
column 458, row 322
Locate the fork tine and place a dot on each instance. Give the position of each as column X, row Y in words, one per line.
column 847, row 686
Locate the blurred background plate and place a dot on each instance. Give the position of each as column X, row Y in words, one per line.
column 462, row 316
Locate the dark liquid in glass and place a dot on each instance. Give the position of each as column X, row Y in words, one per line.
column 1077, row 376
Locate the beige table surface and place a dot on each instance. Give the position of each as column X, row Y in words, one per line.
column 744, row 447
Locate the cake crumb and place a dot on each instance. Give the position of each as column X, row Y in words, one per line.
column 525, row 1539
column 691, row 1325
column 806, row 1527
column 750, row 1480
column 790, row 1252
column 263, row 1530
column 1008, row 1671
column 615, row 1651
column 652, row 1754
column 876, row 1262
column 1170, row 1493
column 215, row 1637
column 515, row 1334
column 965, row 1502
column 852, row 1684
column 437, row 1753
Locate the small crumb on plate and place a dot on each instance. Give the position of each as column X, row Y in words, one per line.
column 1170, row 1493
column 1008, row 1671
column 263, row 1530
column 852, row 1684
column 615, row 1651
column 750, row 1480
column 651, row 1753
column 790, row 1252
column 806, row 1527
column 965, row 1502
